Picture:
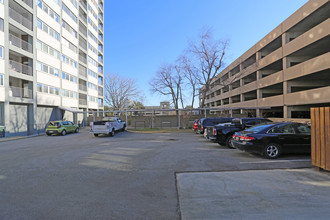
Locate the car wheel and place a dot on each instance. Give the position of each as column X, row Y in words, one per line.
column 272, row 151
column 220, row 143
column 229, row 143
column 96, row 135
column 112, row 133
column 63, row 133
column 77, row 130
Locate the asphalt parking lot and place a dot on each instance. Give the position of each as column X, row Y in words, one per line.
column 153, row 176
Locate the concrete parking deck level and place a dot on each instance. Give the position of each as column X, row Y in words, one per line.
column 262, row 194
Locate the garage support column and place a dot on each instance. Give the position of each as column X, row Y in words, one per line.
column 258, row 112
column 286, row 111
column 286, row 87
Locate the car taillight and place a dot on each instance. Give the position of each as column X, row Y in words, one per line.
column 108, row 126
column 214, row 131
column 247, row 138
column 202, row 128
column 243, row 138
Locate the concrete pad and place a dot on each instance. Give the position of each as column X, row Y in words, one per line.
column 262, row 194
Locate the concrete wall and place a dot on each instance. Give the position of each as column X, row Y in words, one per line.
column 18, row 124
column 45, row 114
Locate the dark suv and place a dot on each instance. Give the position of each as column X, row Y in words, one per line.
column 222, row 133
column 204, row 123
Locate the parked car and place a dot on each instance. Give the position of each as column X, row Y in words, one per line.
column 274, row 139
column 61, row 127
column 210, row 122
column 108, row 126
column 195, row 125
column 222, row 133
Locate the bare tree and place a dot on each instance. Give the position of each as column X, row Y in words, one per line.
column 209, row 55
column 118, row 91
column 168, row 82
column 190, row 74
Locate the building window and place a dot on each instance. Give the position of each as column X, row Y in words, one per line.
column 69, row 61
column 1, row 52
column 1, row 24
column 47, row 10
column 1, row 80
column 69, row 12
column 39, row 87
column 69, row 28
column 47, row 49
column 47, row 69
column 42, row 26
column 69, row 45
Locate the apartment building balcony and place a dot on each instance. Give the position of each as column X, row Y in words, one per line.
column 82, row 99
column 100, row 26
column 100, row 58
column 100, row 47
column 83, row 3
column 83, row 87
column 82, row 71
column 100, row 91
column 100, row 81
column 82, row 15
column 20, row 43
column 20, row 68
column 82, row 42
column 82, row 29
column 101, row 16
column 82, row 59
column 21, row 17
column 20, row 92
column 100, row 70
column 19, row 88
column 28, row 2
column 100, row 37
column 101, row 5
column 83, row 102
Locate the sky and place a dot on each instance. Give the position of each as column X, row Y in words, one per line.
column 142, row 35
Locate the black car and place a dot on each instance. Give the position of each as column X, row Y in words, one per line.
column 223, row 133
column 210, row 122
column 274, row 139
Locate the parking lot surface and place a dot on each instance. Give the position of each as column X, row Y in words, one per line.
column 128, row 176
column 269, row 194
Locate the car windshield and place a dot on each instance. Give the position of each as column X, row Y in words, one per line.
column 53, row 123
column 258, row 128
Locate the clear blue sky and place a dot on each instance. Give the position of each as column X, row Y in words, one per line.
column 141, row 35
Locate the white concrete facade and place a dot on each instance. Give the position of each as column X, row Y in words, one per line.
column 44, row 62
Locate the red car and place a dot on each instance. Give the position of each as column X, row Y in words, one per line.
column 195, row 125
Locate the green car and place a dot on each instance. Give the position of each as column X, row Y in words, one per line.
column 61, row 127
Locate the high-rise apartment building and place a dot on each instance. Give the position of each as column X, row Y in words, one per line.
column 51, row 62
column 285, row 73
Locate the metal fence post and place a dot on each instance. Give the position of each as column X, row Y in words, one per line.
column 126, row 117
column 152, row 119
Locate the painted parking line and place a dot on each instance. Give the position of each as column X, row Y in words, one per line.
column 277, row 161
